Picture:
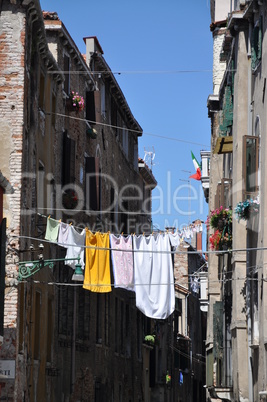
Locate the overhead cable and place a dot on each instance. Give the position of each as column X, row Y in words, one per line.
column 132, row 130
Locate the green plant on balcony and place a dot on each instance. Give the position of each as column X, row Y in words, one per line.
column 220, row 219
column 220, row 240
column 150, row 340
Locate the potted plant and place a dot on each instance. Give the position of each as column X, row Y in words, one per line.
column 219, row 217
column 77, row 101
column 150, row 340
column 244, row 210
column 168, row 379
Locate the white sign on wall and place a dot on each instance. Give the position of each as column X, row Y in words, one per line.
column 7, row 369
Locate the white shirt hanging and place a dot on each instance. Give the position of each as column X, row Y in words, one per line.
column 75, row 248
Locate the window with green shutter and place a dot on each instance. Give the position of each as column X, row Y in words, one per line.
column 256, row 44
column 218, row 340
column 226, row 114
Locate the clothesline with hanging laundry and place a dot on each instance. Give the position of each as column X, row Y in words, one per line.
column 187, row 232
column 130, row 269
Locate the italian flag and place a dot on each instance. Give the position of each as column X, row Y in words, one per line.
column 197, row 175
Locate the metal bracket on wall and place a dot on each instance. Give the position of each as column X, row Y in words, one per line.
column 29, row 268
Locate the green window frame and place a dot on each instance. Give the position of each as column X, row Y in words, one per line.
column 250, row 164
column 256, row 44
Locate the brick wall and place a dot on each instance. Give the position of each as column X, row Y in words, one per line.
column 12, row 34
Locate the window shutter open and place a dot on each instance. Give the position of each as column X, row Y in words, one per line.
column 250, row 164
column 93, row 107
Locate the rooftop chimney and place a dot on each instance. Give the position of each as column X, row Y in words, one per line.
column 92, row 46
column 197, row 238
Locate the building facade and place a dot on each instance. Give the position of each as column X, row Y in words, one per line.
column 78, row 164
column 189, row 320
column 235, row 346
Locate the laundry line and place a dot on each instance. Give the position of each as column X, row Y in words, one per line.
column 130, row 130
column 185, row 233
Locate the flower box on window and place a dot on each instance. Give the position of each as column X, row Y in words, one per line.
column 76, row 101
column 221, row 220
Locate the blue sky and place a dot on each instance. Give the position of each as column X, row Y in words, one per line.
column 164, row 53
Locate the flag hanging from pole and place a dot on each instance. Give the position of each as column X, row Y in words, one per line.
column 197, row 175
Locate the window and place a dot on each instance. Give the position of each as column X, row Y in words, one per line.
column 218, row 339
column 124, row 217
column 226, row 193
column 37, row 324
column 67, row 74
column 107, row 318
column 114, row 117
column 21, row 316
column 66, row 301
column 53, row 117
column 128, row 331
column 68, row 160
column 93, row 106
column 250, row 164
column 42, row 90
column 93, row 183
column 139, row 338
column 83, row 314
column 41, row 187
column 218, row 197
column 99, row 319
column 116, row 325
column 125, row 136
column 49, row 339
column 103, row 100
column 136, row 156
column 226, row 114
column 256, row 44
column 122, row 328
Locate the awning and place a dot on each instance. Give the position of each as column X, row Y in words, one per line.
column 224, row 145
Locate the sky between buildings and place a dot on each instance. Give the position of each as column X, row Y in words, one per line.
column 163, row 52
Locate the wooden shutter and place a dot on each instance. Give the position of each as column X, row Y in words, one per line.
column 93, row 107
column 218, row 198
column 67, row 74
column 92, row 178
column 68, row 160
column 226, row 193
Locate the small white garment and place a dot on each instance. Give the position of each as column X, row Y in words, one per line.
column 122, row 261
column 174, row 239
column 63, row 234
column 76, row 246
column 153, row 275
column 194, row 283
